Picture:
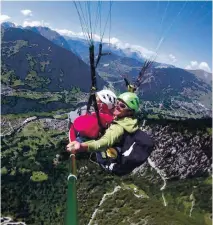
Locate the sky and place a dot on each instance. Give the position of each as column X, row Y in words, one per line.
column 180, row 32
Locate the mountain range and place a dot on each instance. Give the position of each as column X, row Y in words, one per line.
column 80, row 46
column 62, row 56
column 39, row 64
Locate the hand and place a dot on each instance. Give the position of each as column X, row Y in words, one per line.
column 73, row 147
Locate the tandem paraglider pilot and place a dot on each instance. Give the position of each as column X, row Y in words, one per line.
column 124, row 146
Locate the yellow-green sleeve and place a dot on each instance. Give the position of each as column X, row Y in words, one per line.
column 112, row 136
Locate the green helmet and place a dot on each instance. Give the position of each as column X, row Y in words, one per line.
column 131, row 100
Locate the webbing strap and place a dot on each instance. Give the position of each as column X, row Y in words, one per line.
column 99, row 55
column 92, row 66
column 92, row 97
column 92, row 101
column 97, row 114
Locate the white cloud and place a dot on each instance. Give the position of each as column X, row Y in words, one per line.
column 173, row 58
column 69, row 33
column 204, row 66
column 194, row 65
column 95, row 37
column 34, row 23
column 114, row 40
column 4, row 18
column 146, row 53
column 188, row 67
column 167, row 59
column 26, row 12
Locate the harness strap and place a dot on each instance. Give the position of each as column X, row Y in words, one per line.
column 92, row 97
column 99, row 55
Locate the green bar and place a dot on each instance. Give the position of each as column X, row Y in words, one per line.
column 71, row 217
column 72, row 209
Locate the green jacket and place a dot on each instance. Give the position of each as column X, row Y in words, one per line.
column 113, row 134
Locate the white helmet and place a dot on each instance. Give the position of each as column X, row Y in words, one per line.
column 107, row 97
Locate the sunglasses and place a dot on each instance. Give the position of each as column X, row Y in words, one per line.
column 121, row 105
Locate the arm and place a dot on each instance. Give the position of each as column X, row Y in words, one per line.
column 112, row 135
